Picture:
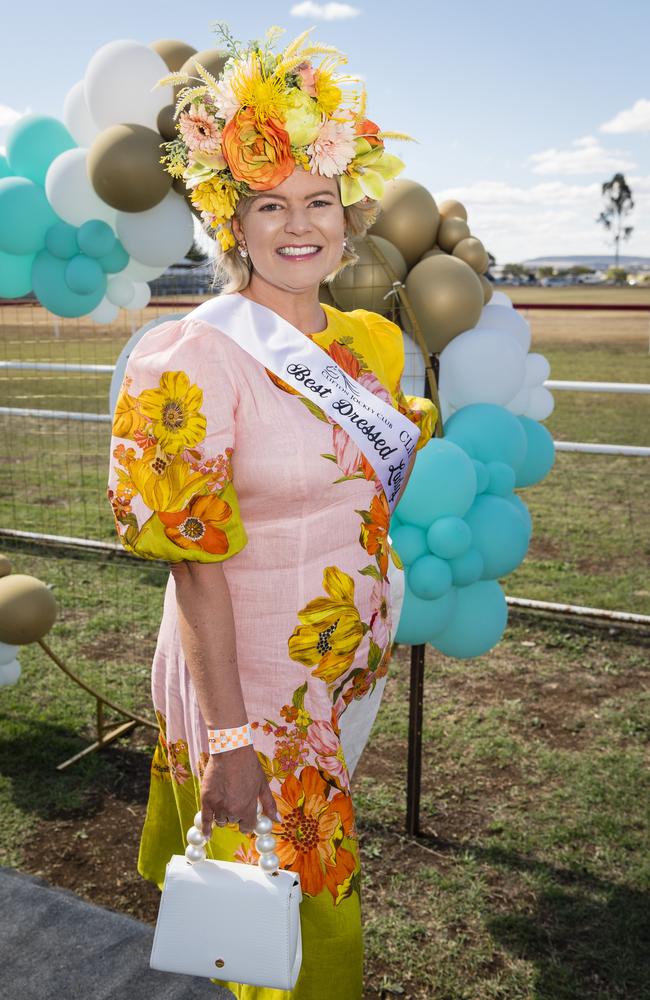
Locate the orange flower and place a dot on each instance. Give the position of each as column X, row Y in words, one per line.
column 310, row 832
column 369, row 131
column 374, row 531
column 344, row 358
column 196, row 527
column 258, row 153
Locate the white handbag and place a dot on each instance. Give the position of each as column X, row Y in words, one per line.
column 230, row 921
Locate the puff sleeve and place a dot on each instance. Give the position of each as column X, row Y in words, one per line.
column 419, row 410
column 173, row 435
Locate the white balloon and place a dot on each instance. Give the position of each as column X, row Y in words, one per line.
column 120, row 365
column 119, row 290
column 104, row 313
column 162, row 234
column 413, row 377
column 9, row 673
column 7, row 653
column 541, row 403
column 118, row 83
column 482, row 366
column 446, row 409
column 520, row 402
column 137, row 271
column 501, row 299
column 538, row 369
column 70, row 192
column 78, row 119
column 498, row 317
column 141, row 296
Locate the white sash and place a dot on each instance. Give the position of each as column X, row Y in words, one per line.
column 385, row 436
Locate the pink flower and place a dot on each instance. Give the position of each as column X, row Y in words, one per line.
column 200, row 130
column 329, row 753
column 306, row 73
column 332, row 149
column 348, row 455
column 380, row 621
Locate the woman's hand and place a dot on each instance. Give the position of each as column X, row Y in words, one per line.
column 232, row 783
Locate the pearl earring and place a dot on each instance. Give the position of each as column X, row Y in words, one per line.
column 243, row 251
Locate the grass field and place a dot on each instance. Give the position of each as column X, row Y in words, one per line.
column 530, row 880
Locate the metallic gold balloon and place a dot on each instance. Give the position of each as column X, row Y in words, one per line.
column 433, row 252
column 453, row 208
column 27, row 609
column 473, row 253
column 365, row 284
column 165, row 123
column 452, row 231
column 488, row 291
column 446, row 296
column 5, row 566
column 213, row 60
column 173, row 52
column 125, row 170
column 409, row 219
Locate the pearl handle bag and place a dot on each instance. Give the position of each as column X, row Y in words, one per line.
column 230, row 921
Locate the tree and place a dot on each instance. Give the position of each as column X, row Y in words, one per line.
column 618, row 205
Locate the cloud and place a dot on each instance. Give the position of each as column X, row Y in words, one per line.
column 634, row 119
column 324, row 11
column 586, row 156
column 550, row 218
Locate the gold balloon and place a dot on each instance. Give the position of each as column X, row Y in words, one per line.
column 446, row 296
column 166, row 124
column 5, row 566
column 213, row 60
column 27, row 609
column 173, row 52
column 454, row 208
column 433, row 252
column 488, row 291
column 473, row 253
column 409, row 219
column 125, row 170
column 364, row 284
column 452, row 231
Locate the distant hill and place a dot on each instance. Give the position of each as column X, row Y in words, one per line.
column 598, row 263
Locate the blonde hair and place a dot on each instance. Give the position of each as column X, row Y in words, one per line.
column 232, row 272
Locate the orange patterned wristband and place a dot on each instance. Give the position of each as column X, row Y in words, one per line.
column 220, row 740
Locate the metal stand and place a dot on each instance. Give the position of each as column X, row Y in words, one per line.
column 414, row 772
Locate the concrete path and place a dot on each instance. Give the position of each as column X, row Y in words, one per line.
column 56, row 946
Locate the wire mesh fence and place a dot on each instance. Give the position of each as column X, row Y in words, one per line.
column 591, row 516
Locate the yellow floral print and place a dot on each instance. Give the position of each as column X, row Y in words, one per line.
column 331, row 628
column 173, row 409
column 164, row 484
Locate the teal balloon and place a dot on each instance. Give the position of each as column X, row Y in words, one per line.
column 429, row 577
column 489, row 433
column 420, row 620
column 478, row 621
column 502, row 479
column 467, row 568
column 443, row 482
column 15, row 275
column 522, row 509
column 84, row 275
column 482, row 476
column 5, row 169
column 25, row 216
column 61, row 240
column 449, row 537
column 48, row 276
column 540, row 453
column 34, row 141
column 409, row 541
column 499, row 533
column 116, row 260
column 96, row 238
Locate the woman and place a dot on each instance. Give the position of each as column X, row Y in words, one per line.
column 276, row 621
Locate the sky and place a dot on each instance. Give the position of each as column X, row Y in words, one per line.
column 521, row 109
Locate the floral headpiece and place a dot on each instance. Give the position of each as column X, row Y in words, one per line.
column 245, row 131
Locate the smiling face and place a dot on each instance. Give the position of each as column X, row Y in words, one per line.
column 294, row 232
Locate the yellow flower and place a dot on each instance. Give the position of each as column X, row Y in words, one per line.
column 331, row 628
column 253, row 88
column 224, row 236
column 302, row 118
column 215, row 196
column 328, row 95
column 126, row 419
column 174, row 411
column 165, row 485
column 367, row 173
